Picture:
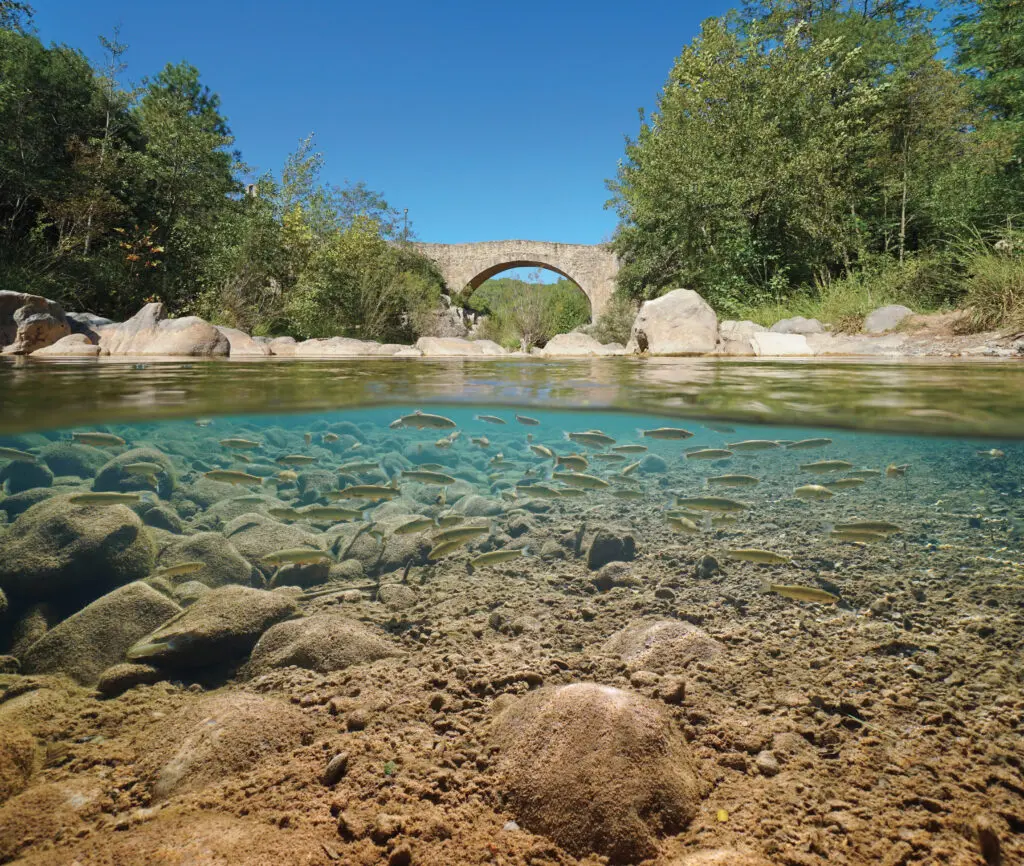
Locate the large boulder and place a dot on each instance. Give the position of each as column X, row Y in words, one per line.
column 606, row 545
column 222, row 625
column 85, row 644
column 772, row 344
column 70, row 458
column 597, row 769
column 57, row 548
column 71, row 346
column 323, row 642
column 798, row 325
column 219, row 738
column 242, row 345
column 734, row 337
column 150, row 332
column 282, row 346
column 452, row 346
column 29, row 322
column 86, row 324
column 19, row 476
column 678, row 323
column 886, row 318
column 577, row 344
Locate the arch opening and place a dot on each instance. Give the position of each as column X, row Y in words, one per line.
column 521, row 313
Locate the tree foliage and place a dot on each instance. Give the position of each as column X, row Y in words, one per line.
column 110, row 197
column 525, row 313
column 798, row 141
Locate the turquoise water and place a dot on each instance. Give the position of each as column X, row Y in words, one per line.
column 843, row 605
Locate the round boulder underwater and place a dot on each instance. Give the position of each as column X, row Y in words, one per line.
column 597, row 769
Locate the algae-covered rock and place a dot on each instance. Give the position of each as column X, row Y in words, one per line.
column 322, row 642
column 85, row 644
column 21, row 476
column 218, row 738
column 664, row 645
column 222, row 625
column 115, row 476
column 598, row 769
column 58, row 547
column 69, row 458
column 118, row 678
column 256, row 535
column 222, row 563
column 609, row 545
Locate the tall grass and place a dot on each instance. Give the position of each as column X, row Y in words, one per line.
column 924, row 283
column 994, row 282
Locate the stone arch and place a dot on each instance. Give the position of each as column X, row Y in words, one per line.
column 592, row 268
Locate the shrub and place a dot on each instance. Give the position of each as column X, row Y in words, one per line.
column 615, row 323
column 995, row 288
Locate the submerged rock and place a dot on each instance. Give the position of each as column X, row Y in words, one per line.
column 85, row 644
column 57, row 547
column 598, row 769
column 322, row 642
column 68, row 458
column 609, row 545
column 21, row 476
column 218, row 738
column 120, row 677
column 222, row 563
column 258, row 535
column 114, row 477
column 220, row 626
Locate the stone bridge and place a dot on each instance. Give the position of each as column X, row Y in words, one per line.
column 592, row 268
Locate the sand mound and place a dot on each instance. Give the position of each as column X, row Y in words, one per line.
column 597, row 769
column 662, row 646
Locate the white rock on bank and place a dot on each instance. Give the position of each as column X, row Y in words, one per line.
column 71, row 346
column 777, row 345
column 150, row 332
column 843, row 344
column 434, row 347
column 886, row 318
column 679, row 323
column 282, row 346
column 242, row 345
column 29, row 322
column 575, row 345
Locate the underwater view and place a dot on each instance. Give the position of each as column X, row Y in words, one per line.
column 448, row 632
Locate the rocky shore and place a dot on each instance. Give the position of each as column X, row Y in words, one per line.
column 679, row 323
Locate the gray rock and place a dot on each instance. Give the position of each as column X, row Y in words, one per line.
column 323, row 642
column 29, row 322
column 57, row 547
column 886, row 318
column 301, row 575
column 576, row 345
column 96, row 637
column 21, row 476
column 150, row 332
column 662, row 646
column 798, row 325
column 678, row 323
column 242, row 345
column 222, row 625
column 223, row 564
column 766, row 764
column 652, row 464
column 161, row 516
column 451, row 346
column 477, row 506
column 609, row 545
column 396, row 596
column 771, row 344
column 614, row 574
column 87, row 324
column 190, row 592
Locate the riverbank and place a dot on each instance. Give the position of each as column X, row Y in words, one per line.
column 679, row 323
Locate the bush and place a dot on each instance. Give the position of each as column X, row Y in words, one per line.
column 615, row 323
column 521, row 314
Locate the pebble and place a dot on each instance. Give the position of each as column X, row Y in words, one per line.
column 336, row 769
column 766, row 764
column 510, row 827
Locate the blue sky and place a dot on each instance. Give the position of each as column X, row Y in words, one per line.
column 487, row 120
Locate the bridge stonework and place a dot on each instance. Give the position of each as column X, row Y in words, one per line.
column 592, row 268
